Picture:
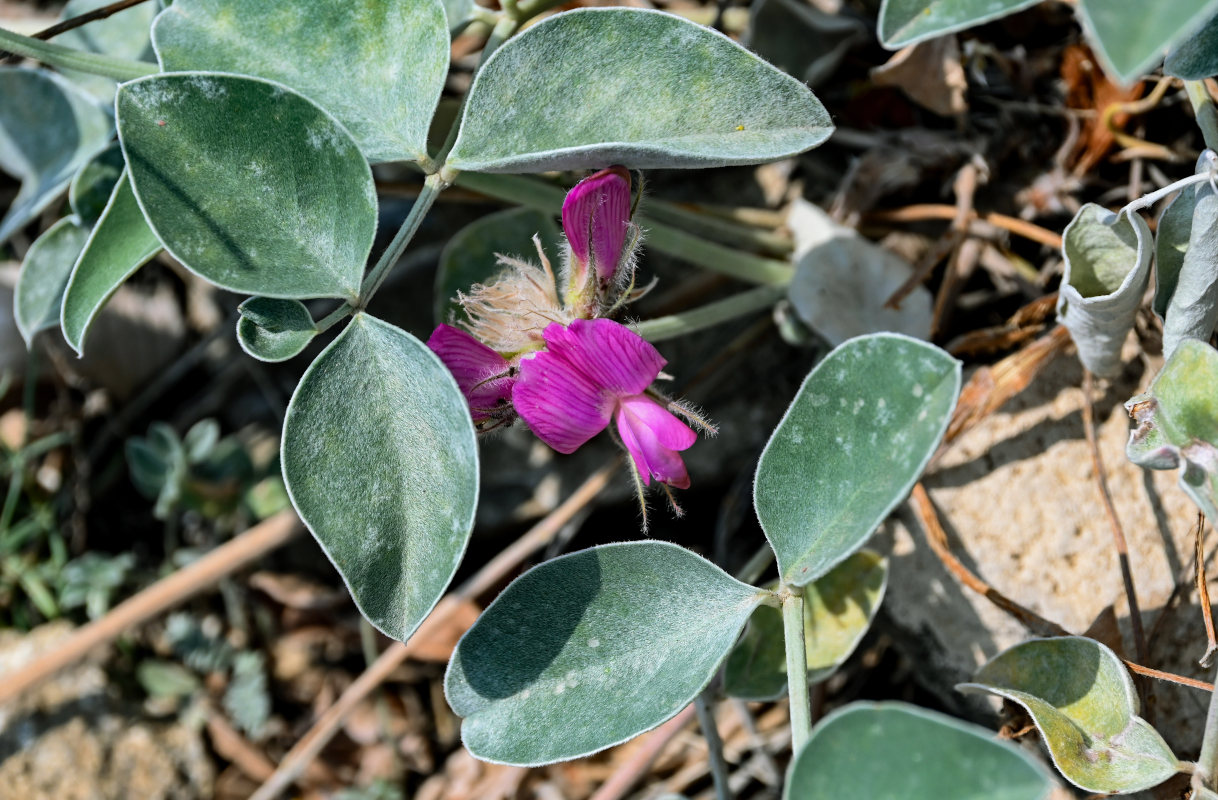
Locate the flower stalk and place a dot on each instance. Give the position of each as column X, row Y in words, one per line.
column 432, row 186
column 797, row 667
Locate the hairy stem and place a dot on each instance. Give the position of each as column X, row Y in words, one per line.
column 337, row 315
column 797, row 670
column 1203, row 108
column 432, row 186
column 56, row 55
column 709, row 315
column 714, row 745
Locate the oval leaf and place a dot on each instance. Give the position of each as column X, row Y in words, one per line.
column 1172, row 233
column 1197, row 57
column 629, row 86
column 472, row 254
column 376, row 66
column 906, row 22
column 120, row 243
column 91, row 188
column 1081, row 698
column 1192, row 308
column 274, row 330
column 234, row 174
column 49, row 129
column 1129, row 41
column 850, row 447
column 380, row 460
column 894, row 751
column 44, row 274
column 590, row 649
column 1107, row 267
column 838, row 610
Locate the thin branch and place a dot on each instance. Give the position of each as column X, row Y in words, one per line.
column 629, row 773
column 922, row 212
column 243, row 549
column 1203, row 594
column 1118, row 532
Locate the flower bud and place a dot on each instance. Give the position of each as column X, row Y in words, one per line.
column 596, row 220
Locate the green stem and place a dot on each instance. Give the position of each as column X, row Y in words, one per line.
column 337, row 315
column 664, row 238
column 1203, row 109
column 527, row 9
column 714, row 745
column 120, row 69
column 797, row 669
column 504, row 29
column 709, row 315
column 721, row 229
column 756, row 566
column 432, row 186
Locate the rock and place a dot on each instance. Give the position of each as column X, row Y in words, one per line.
column 1019, row 500
column 73, row 739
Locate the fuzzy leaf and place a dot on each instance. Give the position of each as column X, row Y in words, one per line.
column 120, row 243
column 380, row 460
column 1107, row 267
column 378, row 67
column 894, row 751
column 906, row 22
column 1195, row 58
column 247, row 700
column 274, row 330
column 590, row 649
column 630, row 86
column 91, row 188
column 459, row 13
column 1190, row 280
column 1172, row 233
column 44, row 274
column 1081, row 698
column 1129, row 42
column 856, row 437
column 838, row 610
column 49, row 129
column 470, row 255
column 234, row 175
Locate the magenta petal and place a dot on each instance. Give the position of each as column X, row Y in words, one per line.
column 653, row 436
column 595, row 217
column 479, row 370
column 561, row 404
column 613, row 357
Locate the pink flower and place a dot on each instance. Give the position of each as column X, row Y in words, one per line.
column 596, row 220
column 484, row 376
column 594, row 371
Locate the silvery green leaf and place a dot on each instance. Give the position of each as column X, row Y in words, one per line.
column 1177, row 422
column 166, row 679
column 49, row 129
column 459, row 13
column 1192, row 307
column 200, row 440
column 1195, row 58
column 247, row 701
column 380, row 459
column 44, row 274
column 838, row 610
column 91, row 188
column 1107, row 267
column 234, row 175
column 1172, row 232
column 1081, row 698
column 843, row 281
column 800, row 39
column 119, row 244
column 378, row 67
column 894, row 751
column 126, row 35
column 851, row 445
column 593, row 648
column 630, row 86
column 271, row 329
column 906, row 22
column 471, row 255
column 1130, row 41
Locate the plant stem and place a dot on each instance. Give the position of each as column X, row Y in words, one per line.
column 1207, row 762
column 664, row 238
column 1203, row 108
column 714, row 745
column 709, row 315
column 337, row 315
column 720, row 228
column 120, row 69
column 797, row 669
column 432, row 186
column 756, row 566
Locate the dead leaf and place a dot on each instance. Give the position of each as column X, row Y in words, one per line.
column 930, row 73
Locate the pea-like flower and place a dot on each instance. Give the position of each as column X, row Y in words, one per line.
column 593, row 372
column 483, row 376
column 596, row 220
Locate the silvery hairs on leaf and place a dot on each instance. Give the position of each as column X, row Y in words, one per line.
column 1191, row 309
column 1107, row 267
column 635, row 87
